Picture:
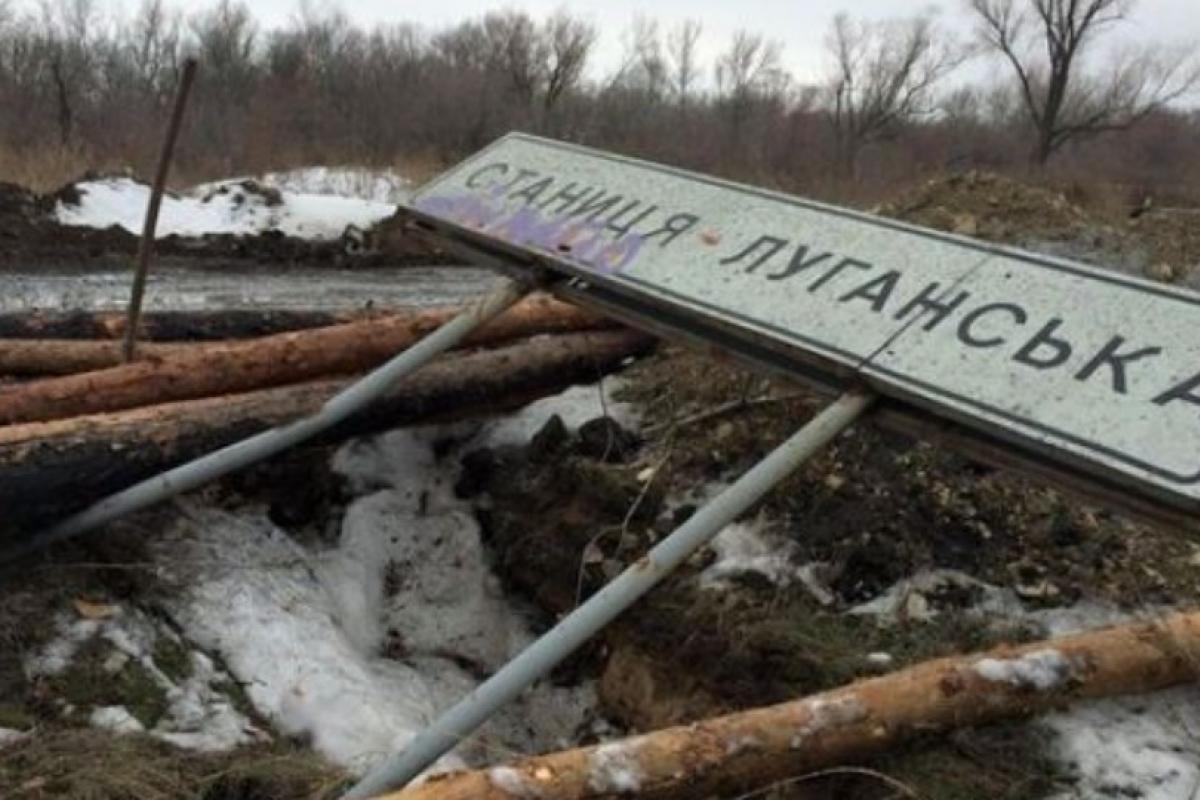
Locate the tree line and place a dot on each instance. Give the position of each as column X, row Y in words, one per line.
column 78, row 76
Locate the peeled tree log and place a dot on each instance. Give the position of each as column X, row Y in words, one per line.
column 51, row 469
column 756, row 748
column 228, row 367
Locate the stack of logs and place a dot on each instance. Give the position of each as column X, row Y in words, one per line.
column 77, row 424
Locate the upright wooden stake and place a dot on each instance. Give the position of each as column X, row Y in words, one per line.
column 146, row 245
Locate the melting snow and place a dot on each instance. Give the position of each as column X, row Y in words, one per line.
column 614, row 768
column 199, row 714
column 743, row 547
column 1042, row 670
column 115, row 719
column 575, row 406
column 360, row 646
column 363, row 183
column 223, row 207
column 9, row 736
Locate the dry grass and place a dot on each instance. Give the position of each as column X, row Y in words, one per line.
column 85, row 764
column 43, row 169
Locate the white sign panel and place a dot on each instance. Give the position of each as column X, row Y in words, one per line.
column 1093, row 369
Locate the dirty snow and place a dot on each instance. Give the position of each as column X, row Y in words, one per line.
column 359, row 646
column 222, row 207
column 10, row 736
column 914, row 598
column 115, row 719
column 513, row 782
column 363, row 183
column 574, row 406
column 1042, row 670
column 750, row 548
column 199, row 716
column 824, row 714
column 1143, row 746
column 614, row 768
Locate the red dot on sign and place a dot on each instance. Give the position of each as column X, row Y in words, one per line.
column 710, row 237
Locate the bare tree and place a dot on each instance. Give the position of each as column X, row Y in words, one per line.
column 1046, row 41
column 684, row 67
column 68, row 28
column 516, row 50
column 568, row 43
column 749, row 71
column 153, row 42
column 883, row 75
column 644, row 68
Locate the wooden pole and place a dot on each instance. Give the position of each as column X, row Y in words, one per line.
column 146, row 245
column 756, row 748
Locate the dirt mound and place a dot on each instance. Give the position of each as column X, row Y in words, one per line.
column 31, row 237
column 1006, row 211
column 988, row 206
column 1173, row 236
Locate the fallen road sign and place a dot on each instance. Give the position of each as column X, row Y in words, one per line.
column 1091, row 372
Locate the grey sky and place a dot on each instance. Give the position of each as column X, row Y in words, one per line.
column 799, row 24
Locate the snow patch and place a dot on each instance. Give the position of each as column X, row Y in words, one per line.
column 199, row 715
column 360, row 647
column 614, row 768
column 823, row 714
column 10, row 736
column 576, row 405
column 1042, row 670
column 513, row 782
column 214, row 208
column 115, row 719
column 363, row 183
column 746, row 547
column 909, row 599
column 1143, row 746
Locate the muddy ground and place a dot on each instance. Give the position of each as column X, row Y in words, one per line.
column 565, row 511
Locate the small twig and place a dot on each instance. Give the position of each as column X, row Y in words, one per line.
column 146, row 245
column 723, row 409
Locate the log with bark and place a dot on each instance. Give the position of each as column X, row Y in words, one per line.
column 40, row 357
column 171, row 326
column 757, row 748
column 228, row 367
column 50, row 469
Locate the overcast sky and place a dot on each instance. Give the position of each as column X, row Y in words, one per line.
column 800, row 25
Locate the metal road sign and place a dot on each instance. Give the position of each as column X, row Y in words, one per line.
column 1090, row 370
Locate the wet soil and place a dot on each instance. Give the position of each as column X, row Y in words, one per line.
column 565, row 515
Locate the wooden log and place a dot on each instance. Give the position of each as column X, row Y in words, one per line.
column 751, row 749
column 229, row 367
column 40, row 357
column 51, row 469
column 171, row 326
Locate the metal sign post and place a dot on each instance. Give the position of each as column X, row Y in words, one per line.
column 604, row 606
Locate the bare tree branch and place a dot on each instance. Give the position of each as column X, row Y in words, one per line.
column 883, row 74
column 1045, row 43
